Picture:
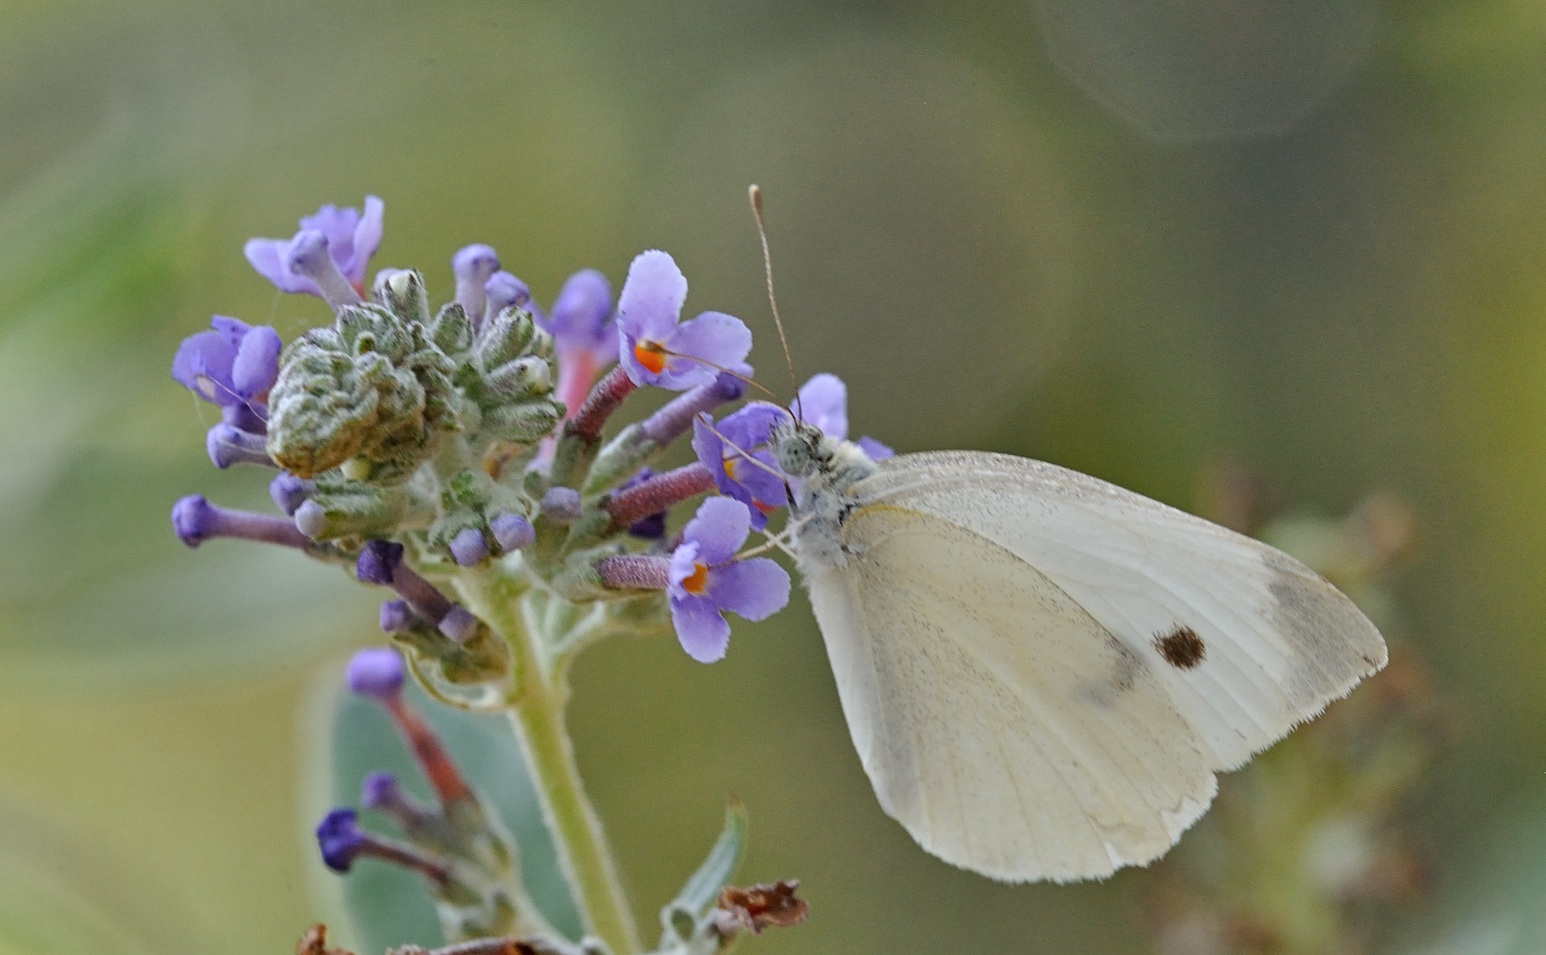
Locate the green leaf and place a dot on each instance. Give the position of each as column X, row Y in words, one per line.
column 712, row 876
column 388, row 907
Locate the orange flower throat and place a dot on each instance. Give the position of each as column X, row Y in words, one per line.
column 697, row 580
column 652, row 355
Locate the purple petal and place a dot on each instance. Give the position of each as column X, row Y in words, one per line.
column 875, row 450
column 581, row 316
column 652, row 297
column 684, row 561
column 335, row 223
column 256, row 366
column 367, row 239
column 703, row 632
column 823, row 402
column 203, row 365
column 232, row 328
column 719, row 529
column 756, row 589
column 503, row 290
column 752, row 425
column 759, row 474
column 711, row 451
column 268, row 257
column 703, row 345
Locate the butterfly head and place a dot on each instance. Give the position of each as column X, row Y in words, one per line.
column 800, row 448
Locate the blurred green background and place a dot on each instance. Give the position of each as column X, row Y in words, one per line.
column 1128, row 237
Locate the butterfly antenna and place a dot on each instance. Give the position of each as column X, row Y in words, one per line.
column 728, row 371
column 754, row 193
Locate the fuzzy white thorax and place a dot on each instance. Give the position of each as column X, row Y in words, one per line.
column 827, row 469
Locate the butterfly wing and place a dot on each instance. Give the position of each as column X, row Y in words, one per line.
column 1043, row 672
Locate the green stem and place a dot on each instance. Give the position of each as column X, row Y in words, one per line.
column 536, row 710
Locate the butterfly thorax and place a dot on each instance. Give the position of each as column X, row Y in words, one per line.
column 827, row 469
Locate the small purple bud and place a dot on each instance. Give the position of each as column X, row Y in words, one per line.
column 340, row 838
column 380, row 791
column 473, row 266
column 397, row 616
column 378, row 561
column 289, row 492
column 194, row 519
column 376, row 672
column 458, row 624
column 512, row 532
column 468, row 548
column 227, row 446
column 561, row 505
column 503, row 291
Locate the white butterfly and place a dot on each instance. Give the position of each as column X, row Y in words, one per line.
column 1043, row 672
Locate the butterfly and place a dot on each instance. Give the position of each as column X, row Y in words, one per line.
column 1044, row 673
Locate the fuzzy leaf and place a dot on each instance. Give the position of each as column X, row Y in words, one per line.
column 712, row 876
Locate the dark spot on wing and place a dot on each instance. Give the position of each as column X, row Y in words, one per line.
column 1182, row 648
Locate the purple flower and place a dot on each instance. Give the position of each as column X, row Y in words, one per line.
column 705, row 580
column 340, row 838
column 736, row 455
column 377, row 672
column 352, row 238
column 654, row 348
column 233, row 364
column 823, row 402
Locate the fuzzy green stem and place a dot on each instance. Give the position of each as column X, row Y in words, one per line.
column 536, row 710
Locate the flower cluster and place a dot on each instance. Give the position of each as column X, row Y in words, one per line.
column 410, row 444
column 463, row 457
